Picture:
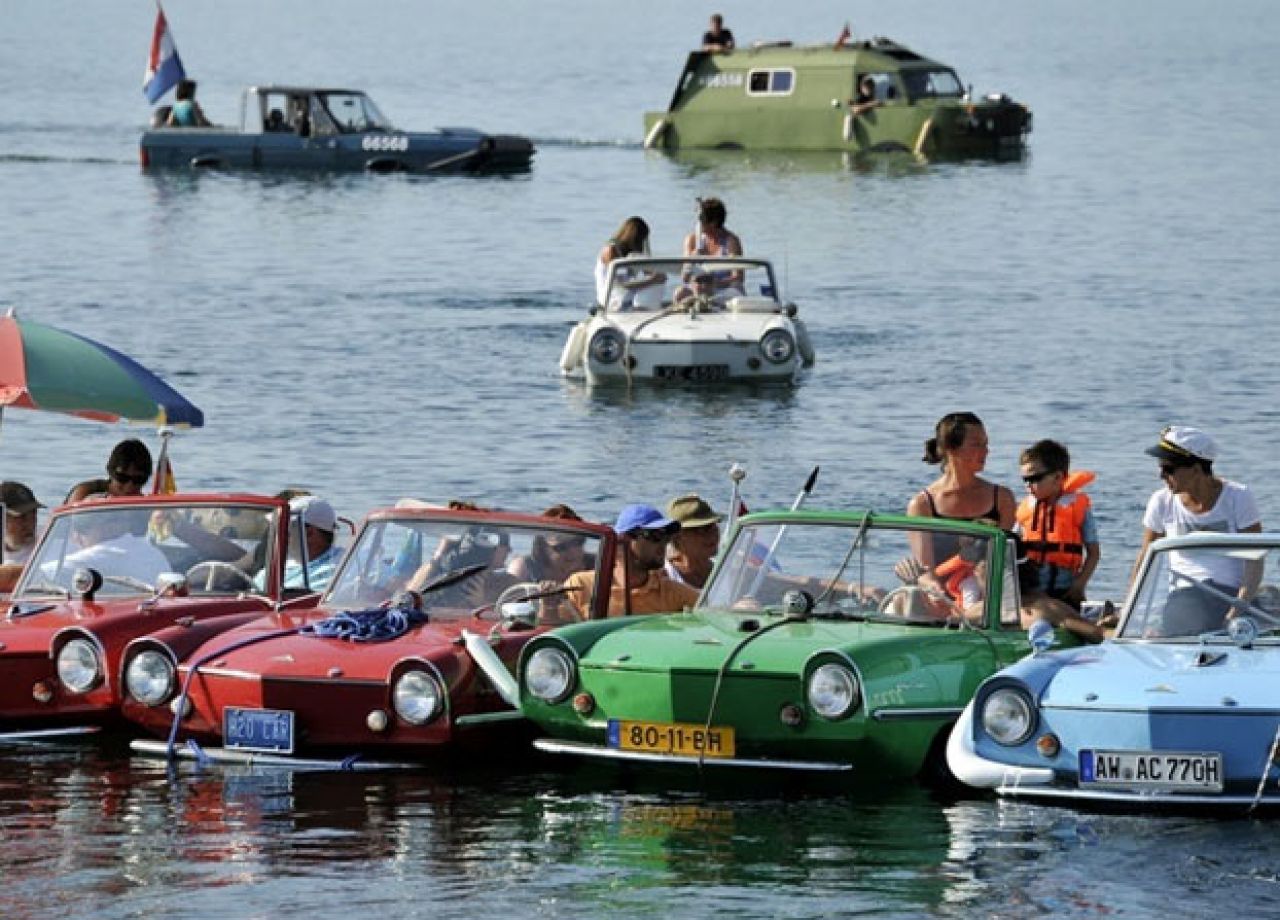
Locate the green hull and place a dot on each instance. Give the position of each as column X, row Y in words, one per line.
column 795, row 98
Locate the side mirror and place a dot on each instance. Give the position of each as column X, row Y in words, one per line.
column 519, row 614
column 171, row 584
column 86, row 582
column 1041, row 637
column 797, row 603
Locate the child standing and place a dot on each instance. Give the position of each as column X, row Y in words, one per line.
column 1056, row 522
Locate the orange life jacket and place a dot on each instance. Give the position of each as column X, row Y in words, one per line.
column 1053, row 532
column 953, row 572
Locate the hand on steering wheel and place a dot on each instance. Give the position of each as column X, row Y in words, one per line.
column 203, row 577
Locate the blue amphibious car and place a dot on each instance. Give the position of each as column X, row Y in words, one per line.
column 292, row 127
column 1180, row 708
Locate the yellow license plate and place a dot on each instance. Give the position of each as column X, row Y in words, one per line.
column 679, row 738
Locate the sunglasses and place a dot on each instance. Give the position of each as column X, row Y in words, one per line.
column 655, row 536
column 1036, row 477
column 564, row 546
column 138, row 480
column 1168, row 469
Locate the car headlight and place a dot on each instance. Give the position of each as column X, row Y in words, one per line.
column 417, row 697
column 1008, row 716
column 549, row 674
column 778, row 346
column 150, row 677
column 79, row 667
column 833, row 691
column 606, row 346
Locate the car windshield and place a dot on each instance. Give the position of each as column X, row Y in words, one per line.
column 925, row 84
column 219, row 548
column 713, row 283
column 1195, row 592
column 410, row 553
column 354, row 113
column 849, row 570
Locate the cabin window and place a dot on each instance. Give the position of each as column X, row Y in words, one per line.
column 771, row 82
column 885, row 90
column 932, row 84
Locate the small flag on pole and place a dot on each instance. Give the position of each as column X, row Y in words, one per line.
column 164, row 482
column 844, row 36
column 164, row 67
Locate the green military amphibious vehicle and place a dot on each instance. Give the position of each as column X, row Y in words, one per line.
column 864, row 97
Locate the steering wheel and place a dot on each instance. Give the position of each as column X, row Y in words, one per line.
column 909, row 592
column 1238, row 604
column 203, row 577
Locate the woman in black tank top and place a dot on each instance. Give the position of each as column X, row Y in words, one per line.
column 959, row 445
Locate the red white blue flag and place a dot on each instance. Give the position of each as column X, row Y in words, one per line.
column 164, row 67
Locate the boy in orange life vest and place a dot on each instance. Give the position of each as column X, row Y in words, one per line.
column 1056, row 521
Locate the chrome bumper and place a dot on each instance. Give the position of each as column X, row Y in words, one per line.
column 554, row 746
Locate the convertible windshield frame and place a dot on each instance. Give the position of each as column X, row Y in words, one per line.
column 393, row 553
column 850, row 569
column 125, row 542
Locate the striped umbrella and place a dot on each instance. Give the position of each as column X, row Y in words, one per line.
column 57, row 371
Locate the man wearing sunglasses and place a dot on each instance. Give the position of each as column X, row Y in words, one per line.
column 640, row 584
column 128, row 469
column 1194, row 499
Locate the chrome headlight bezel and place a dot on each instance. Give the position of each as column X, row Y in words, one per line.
column 778, row 346
column 79, row 665
column 606, row 346
column 833, row 691
column 1008, row 716
column 550, row 674
column 150, row 677
column 417, row 697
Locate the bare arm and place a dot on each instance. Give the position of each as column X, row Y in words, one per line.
column 1148, row 537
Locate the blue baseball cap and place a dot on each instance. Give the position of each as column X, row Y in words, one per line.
column 643, row 517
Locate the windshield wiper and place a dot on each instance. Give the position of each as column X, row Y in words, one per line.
column 130, row 582
column 47, row 587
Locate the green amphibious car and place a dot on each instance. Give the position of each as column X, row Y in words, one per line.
column 779, row 96
column 806, row 652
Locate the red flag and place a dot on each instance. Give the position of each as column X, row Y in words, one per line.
column 845, row 35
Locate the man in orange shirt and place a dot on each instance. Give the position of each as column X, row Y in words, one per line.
column 639, row 583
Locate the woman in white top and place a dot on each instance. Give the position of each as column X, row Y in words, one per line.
column 632, row 238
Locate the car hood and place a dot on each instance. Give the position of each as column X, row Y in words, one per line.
column 273, row 647
column 28, row 628
column 705, row 327
column 1146, row 675
column 703, row 641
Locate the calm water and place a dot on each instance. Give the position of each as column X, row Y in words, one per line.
column 379, row 337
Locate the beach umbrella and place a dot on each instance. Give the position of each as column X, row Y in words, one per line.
column 57, row 371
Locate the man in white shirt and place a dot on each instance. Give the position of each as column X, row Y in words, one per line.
column 1192, row 500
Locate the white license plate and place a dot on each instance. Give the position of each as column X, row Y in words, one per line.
column 1170, row 770
column 268, row 730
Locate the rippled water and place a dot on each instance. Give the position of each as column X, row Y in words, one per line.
column 373, row 337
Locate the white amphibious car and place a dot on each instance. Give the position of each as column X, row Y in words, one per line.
column 688, row 319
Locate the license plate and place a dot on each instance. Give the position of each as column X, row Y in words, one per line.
column 1152, row 770
column 693, row 372
column 269, row 730
column 677, row 738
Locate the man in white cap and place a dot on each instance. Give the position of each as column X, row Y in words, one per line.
column 1194, row 499
column 693, row 548
column 322, row 554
